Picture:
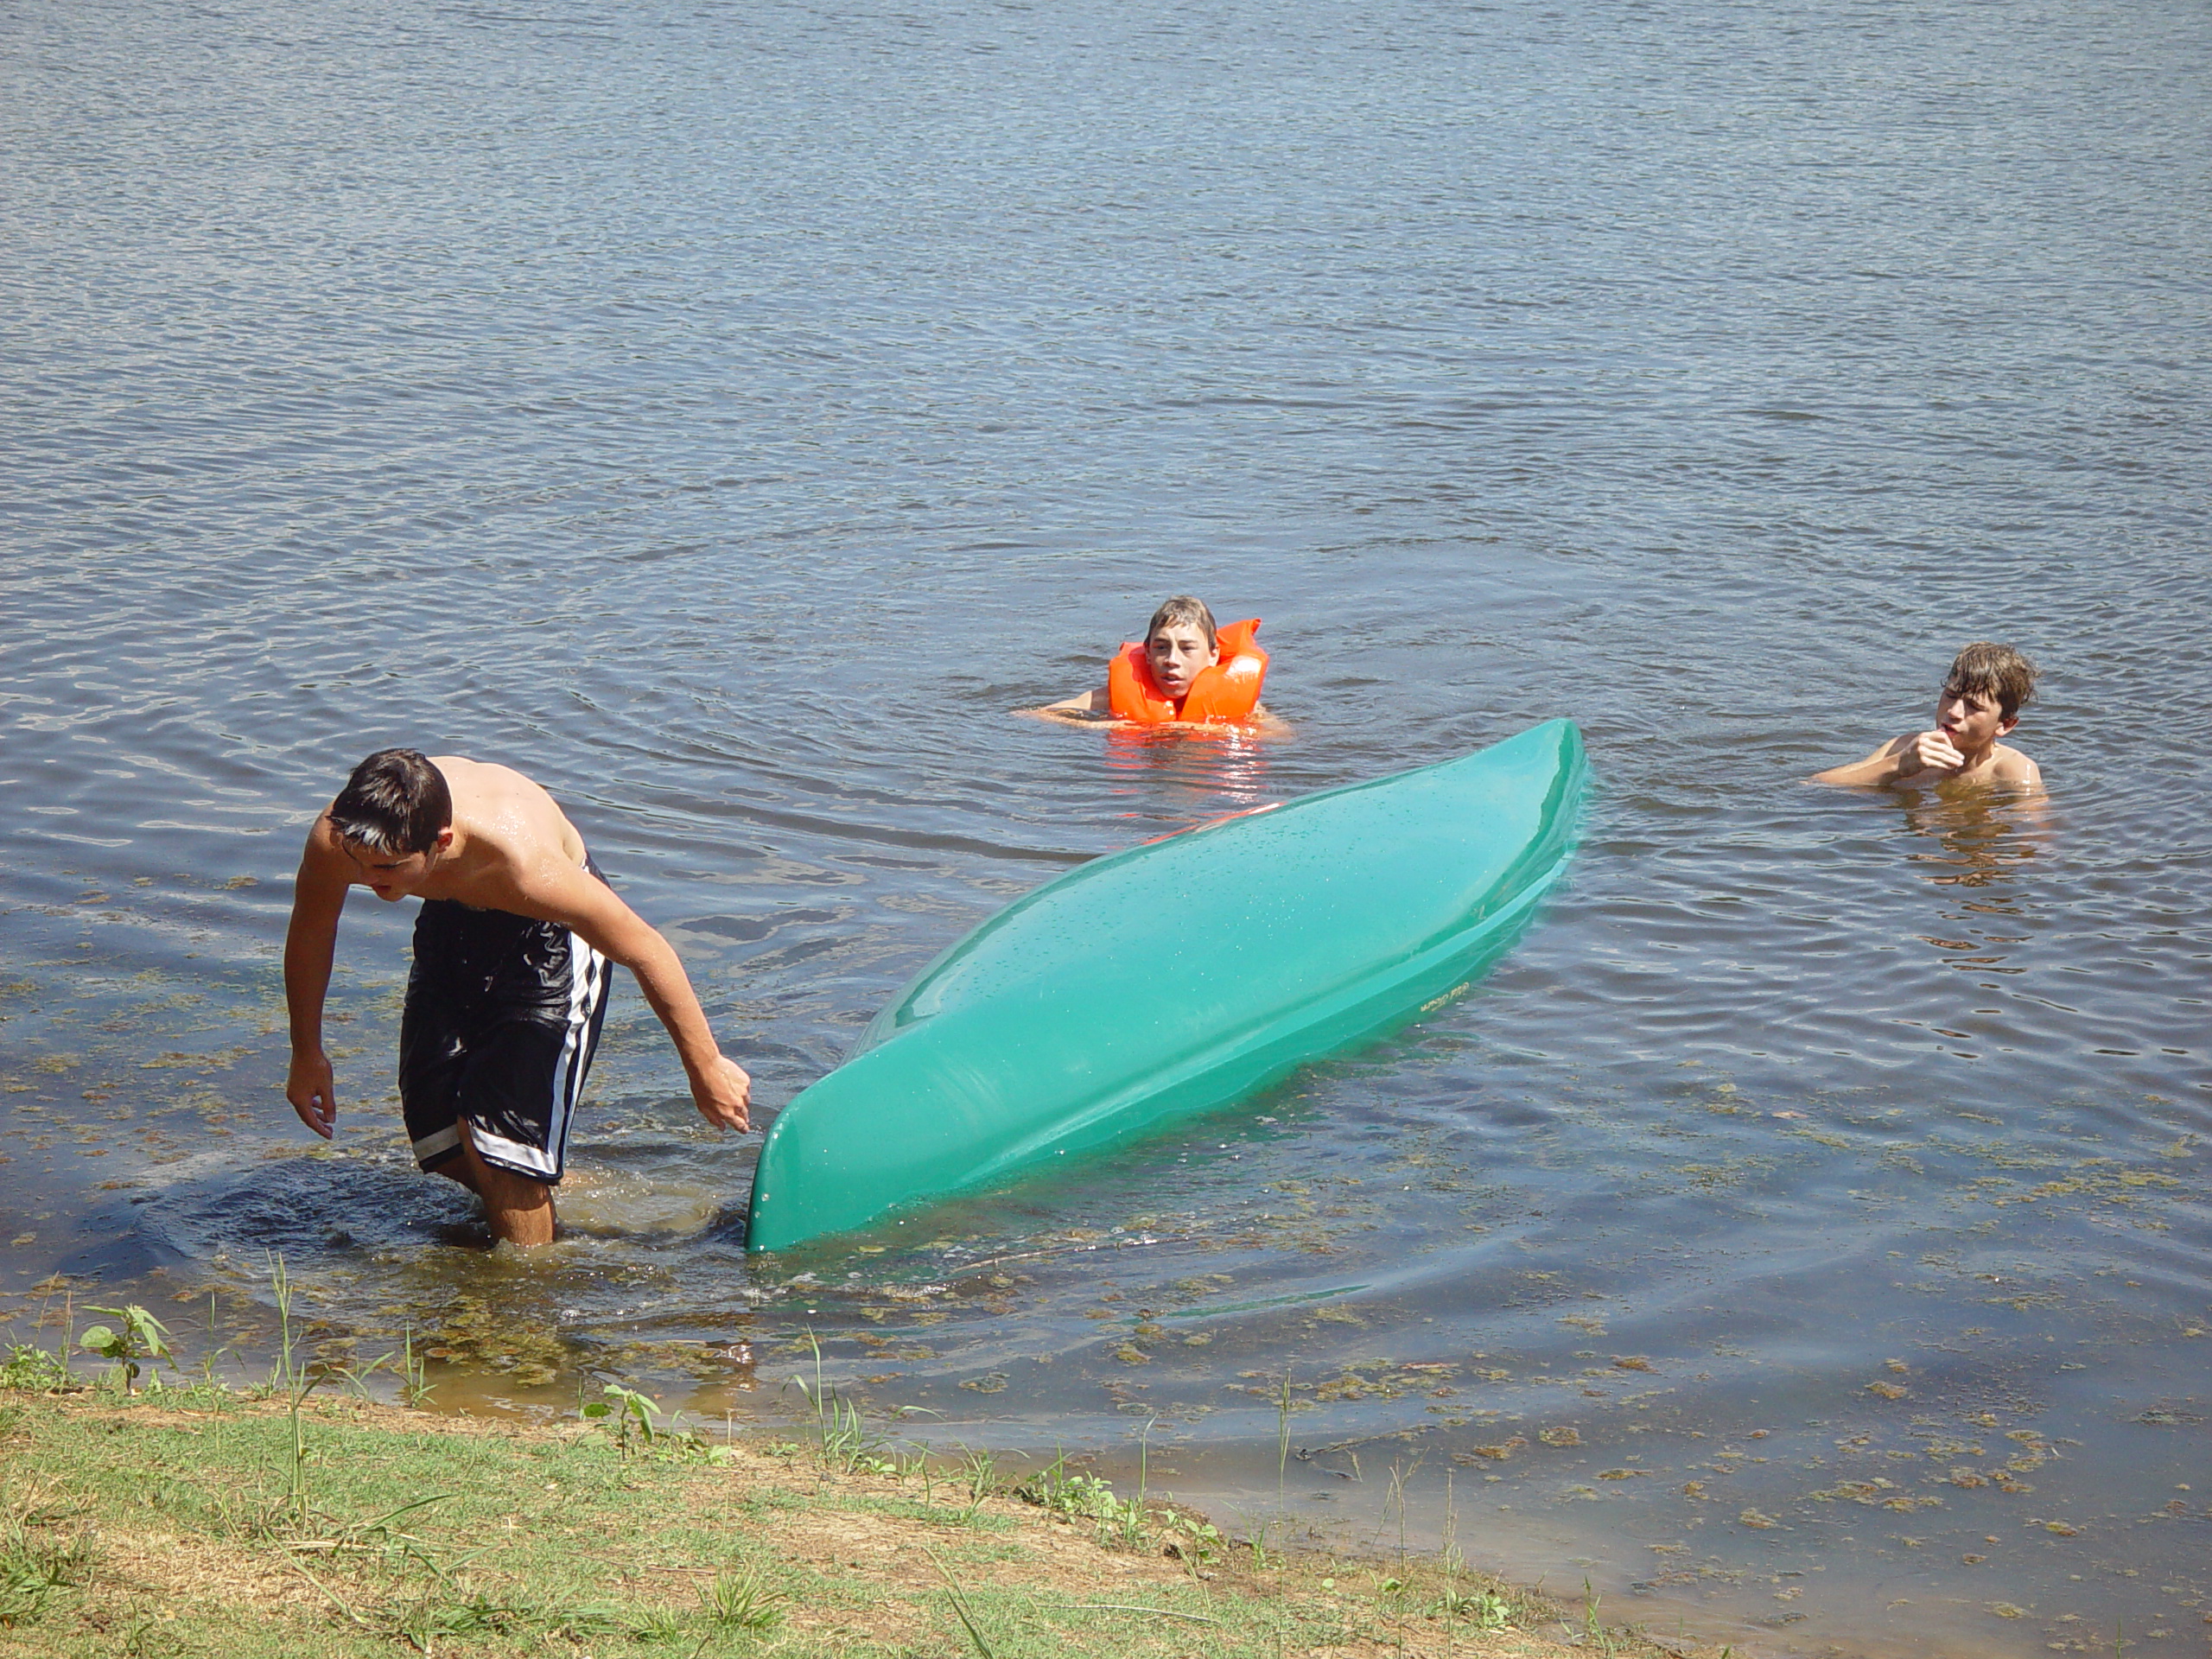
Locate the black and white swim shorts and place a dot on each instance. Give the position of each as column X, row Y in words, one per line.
column 503, row 1015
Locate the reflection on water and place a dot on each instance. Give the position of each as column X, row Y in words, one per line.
column 1980, row 833
column 1803, row 1234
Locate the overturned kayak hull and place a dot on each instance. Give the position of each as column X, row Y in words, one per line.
column 1176, row 978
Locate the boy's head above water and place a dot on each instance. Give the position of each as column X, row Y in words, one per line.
column 1181, row 643
column 1989, row 677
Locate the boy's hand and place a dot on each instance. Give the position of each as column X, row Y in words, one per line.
column 1929, row 752
column 313, row 1089
column 723, row 1093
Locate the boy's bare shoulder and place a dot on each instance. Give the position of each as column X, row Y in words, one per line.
column 509, row 815
column 484, row 778
column 2009, row 765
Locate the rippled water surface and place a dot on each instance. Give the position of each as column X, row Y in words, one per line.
column 727, row 415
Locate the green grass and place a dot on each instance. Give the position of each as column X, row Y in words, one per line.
column 194, row 1523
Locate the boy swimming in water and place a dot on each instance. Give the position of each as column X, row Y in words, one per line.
column 1177, row 676
column 1980, row 702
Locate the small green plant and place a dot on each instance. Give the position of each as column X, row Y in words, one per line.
column 1121, row 1520
column 1485, row 1608
column 1193, row 1542
column 1594, row 1631
column 34, row 1371
column 453, row 1614
column 140, row 1336
column 141, row 1621
column 979, row 1474
column 210, row 1352
column 284, row 1374
column 1131, row 1521
column 847, row 1445
column 742, row 1601
column 1256, row 1542
column 916, row 1464
column 1060, row 1490
column 843, row 1442
column 658, row 1624
column 627, row 1412
column 415, row 1384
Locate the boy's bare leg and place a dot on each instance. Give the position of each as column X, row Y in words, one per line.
column 519, row 1209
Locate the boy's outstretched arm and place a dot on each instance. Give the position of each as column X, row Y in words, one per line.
column 310, row 939
column 1077, row 710
column 719, row 1087
column 1901, row 757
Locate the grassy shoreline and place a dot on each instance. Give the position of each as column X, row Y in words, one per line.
column 278, row 1523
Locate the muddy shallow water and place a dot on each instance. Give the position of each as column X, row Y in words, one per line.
column 728, row 416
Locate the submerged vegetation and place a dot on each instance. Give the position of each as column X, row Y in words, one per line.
column 145, row 1511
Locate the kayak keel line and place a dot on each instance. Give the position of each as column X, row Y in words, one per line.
column 1176, row 978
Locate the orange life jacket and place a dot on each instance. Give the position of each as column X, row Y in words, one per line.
column 1229, row 691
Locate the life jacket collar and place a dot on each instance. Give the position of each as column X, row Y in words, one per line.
column 1227, row 691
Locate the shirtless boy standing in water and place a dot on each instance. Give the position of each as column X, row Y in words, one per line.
column 1980, row 702
column 509, row 988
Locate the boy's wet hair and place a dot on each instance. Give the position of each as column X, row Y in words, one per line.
column 1182, row 612
column 1994, row 670
column 395, row 802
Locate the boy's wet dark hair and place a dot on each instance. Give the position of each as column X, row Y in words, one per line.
column 1992, row 671
column 1182, row 612
column 396, row 803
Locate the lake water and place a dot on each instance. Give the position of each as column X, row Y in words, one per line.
column 727, row 415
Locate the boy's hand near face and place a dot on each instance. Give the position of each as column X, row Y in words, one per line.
column 1929, row 752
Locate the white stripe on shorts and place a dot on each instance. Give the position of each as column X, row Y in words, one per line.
column 587, row 976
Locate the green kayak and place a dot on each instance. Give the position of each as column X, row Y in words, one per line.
column 1173, row 978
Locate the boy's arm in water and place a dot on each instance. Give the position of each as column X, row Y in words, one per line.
column 1909, row 756
column 554, row 890
column 1266, row 721
column 1078, row 710
column 1096, row 706
column 1930, row 756
column 318, row 896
